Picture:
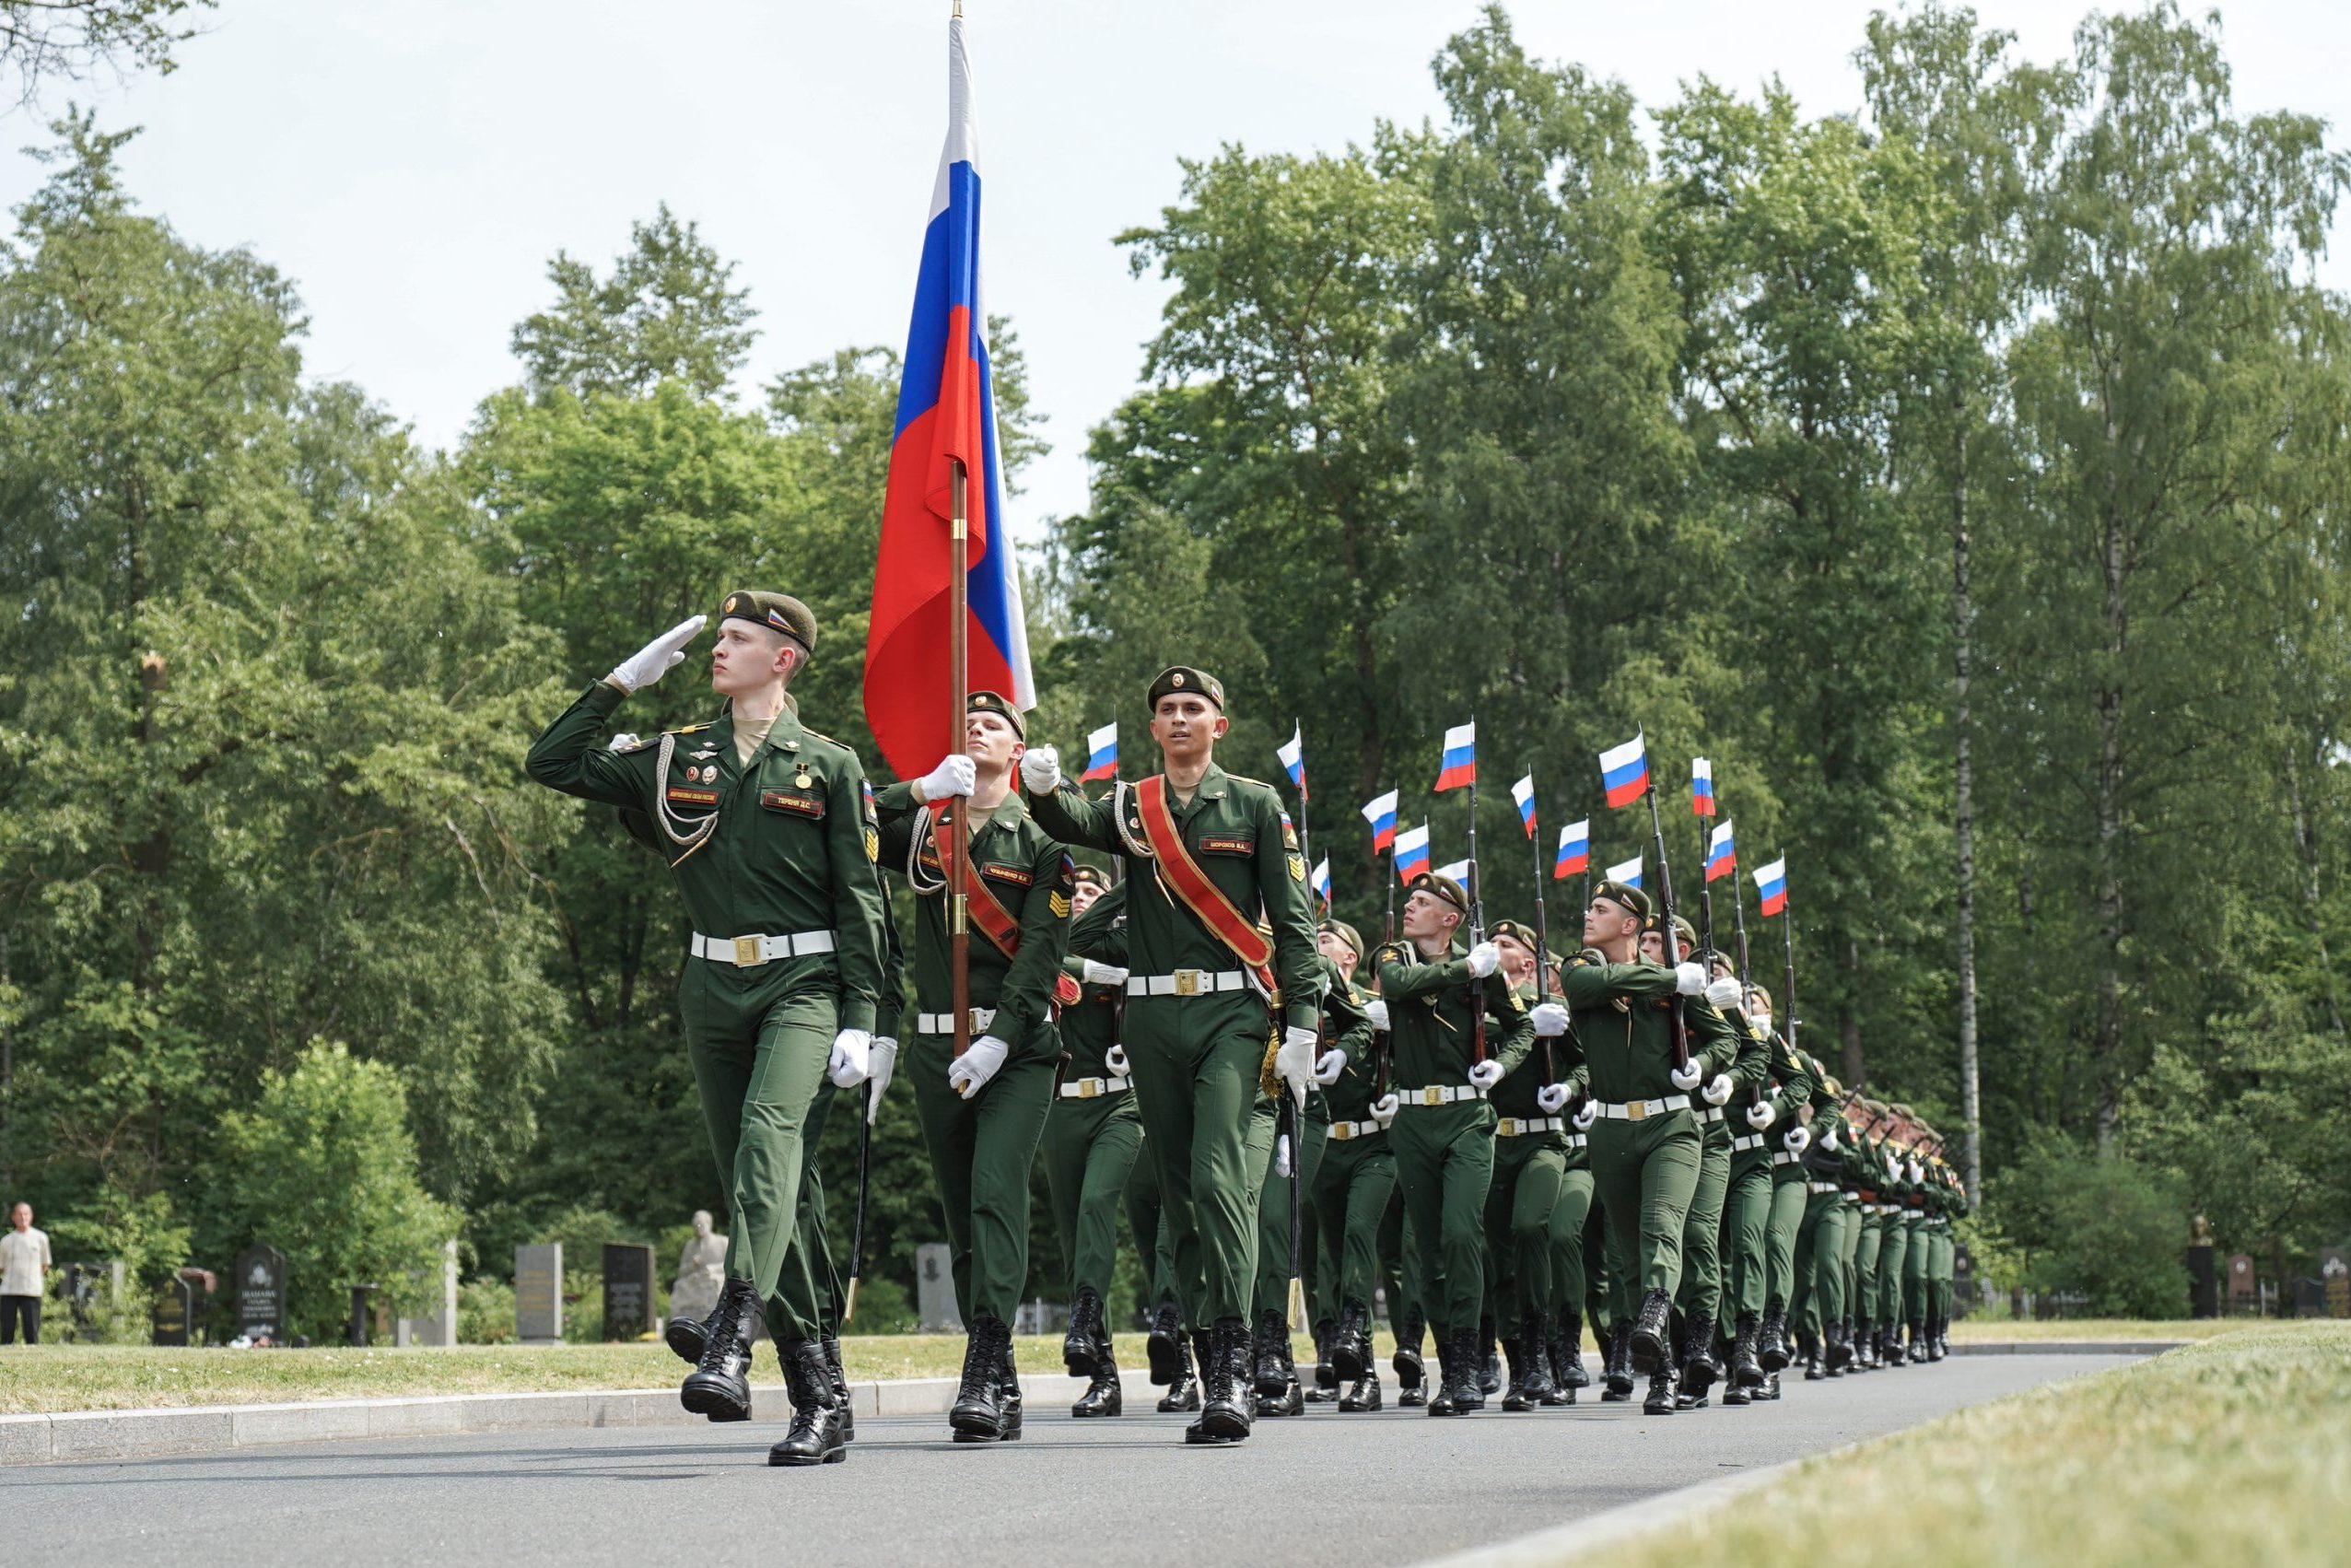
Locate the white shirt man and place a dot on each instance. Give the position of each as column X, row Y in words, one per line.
column 24, row 1273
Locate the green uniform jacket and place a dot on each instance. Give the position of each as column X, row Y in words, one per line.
column 1090, row 1024
column 1236, row 830
column 1622, row 1028
column 1790, row 1082
column 794, row 848
column 1346, row 1026
column 1515, row 1096
column 1030, row 875
column 1429, row 1022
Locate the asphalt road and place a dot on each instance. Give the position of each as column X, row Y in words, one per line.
column 1397, row 1487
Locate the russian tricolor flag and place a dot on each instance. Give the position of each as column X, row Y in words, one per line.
column 1524, row 793
column 1412, row 852
column 1293, row 759
column 1575, row 849
column 1457, row 870
column 1461, row 764
column 1722, row 859
column 1701, row 786
column 1102, row 754
column 1381, row 813
column 1321, row 880
column 1628, row 874
column 946, row 416
column 1771, row 884
column 1625, row 770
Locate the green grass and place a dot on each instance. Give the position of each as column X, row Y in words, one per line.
column 1996, row 1329
column 2219, row 1454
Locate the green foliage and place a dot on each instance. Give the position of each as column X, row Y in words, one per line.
column 664, row 313
column 2111, row 1228
column 485, row 1312
column 42, row 41
column 322, row 1167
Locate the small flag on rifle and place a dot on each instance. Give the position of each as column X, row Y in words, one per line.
column 1380, row 812
column 1721, row 859
column 1701, row 786
column 1629, row 872
column 1293, row 760
column 1771, row 884
column 1524, row 793
column 1412, row 852
column 1461, row 764
column 1101, row 754
column 1624, row 770
column 1575, row 849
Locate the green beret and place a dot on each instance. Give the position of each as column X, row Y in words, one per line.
column 1090, row 875
column 776, row 611
column 1443, row 887
column 1625, row 894
column 1184, row 678
column 1345, row 933
column 1682, row 929
column 1515, row 931
column 989, row 702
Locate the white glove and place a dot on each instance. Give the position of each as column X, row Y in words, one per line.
column 969, row 1073
column 1484, row 959
column 1376, row 1011
column 1796, row 1140
column 1115, row 1059
column 1759, row 1115
column 1893, row 1168
column 1103, row 974
column 1723, row 993
column 621, row 743
column 1828, row 1141
column 1689, row 979
column 1281, row 1156
column 656, row 657
column 954, row 776
column 1328, row 1065
column 1551, row 1098
column 1384, row 1110
column 1586, row 1117
column 1717, row 1092
column 881, row 1061
column 1687, row 1075
column 1551, row 1020
column 1487, row 1073
column 1917, row 1171
column 1040, row 770
column 845, row 1066
column 1295, row 1062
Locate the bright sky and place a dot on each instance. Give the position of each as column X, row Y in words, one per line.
column 413, row 165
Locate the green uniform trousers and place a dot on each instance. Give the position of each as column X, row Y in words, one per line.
column 1350, row 1192
column 1528, row 1171
column 1272, row 1289
column 1788, row 1196
column 1196, row 1061
column 1599, row 1284
column 1893, row 1258
column 1850, row 1274
column 1444, row 1167
column 1872, row 1231
column 1914, row 1270
column 811, row 1284
column 1570, row 1225
column 1646, row 1172
column 1819, row 1261
column 1146, row 1218
column 1090, row 1149
column 758, row 1048
column 1747, row 1235
column 1942, row 1272
column 1701, row 1294
column 981, row 1152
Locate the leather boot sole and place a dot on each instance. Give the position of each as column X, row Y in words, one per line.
column 720, row 1399
column 687, row 1338
column 1219, row 1423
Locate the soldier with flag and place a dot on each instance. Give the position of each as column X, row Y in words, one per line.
column 1208, row 855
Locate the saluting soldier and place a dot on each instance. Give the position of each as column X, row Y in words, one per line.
column 1442, row 1129
column 1530, row 1163
column 1646, row 1146
column 982, row 1112
column 1748, row 1209
column 1091, row 1140
column 1208, row 855
column 770, row 832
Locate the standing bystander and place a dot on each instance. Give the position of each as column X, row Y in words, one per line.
column 24, row 1274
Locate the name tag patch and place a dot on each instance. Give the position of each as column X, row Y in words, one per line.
column 1229, row 844
column 786, row 800
column 679, row 796
column 1013, row 875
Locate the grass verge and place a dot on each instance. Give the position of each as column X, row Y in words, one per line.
column 2213, row 1456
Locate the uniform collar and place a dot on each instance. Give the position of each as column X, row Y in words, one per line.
column 784, row 735
column 1008, row 813
column 1213, row 786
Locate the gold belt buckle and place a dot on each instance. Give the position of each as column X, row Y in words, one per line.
column 1089, row 1088
column 1341, row 1131
column 1434, row 1094
column 1637, row 1111
column 748, row 953
column 1188, row 982
column 1508, row 1127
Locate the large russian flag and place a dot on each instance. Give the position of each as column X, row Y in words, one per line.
column 1625, row 771
column 946, row 416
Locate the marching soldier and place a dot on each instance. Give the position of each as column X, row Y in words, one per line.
column 1167, row 1348
column 1530, row 1163
column 1438, row 1000
column 983, row 1112
column 1351, row 1190
column 1208, row 854
column 1894, row 1247
column 770, row 832
column 1092, row 1139
column 1576, row 1249
column 1820, row 1238
column 1748, row 1209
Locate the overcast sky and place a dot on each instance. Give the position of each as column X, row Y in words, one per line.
column 413, row 165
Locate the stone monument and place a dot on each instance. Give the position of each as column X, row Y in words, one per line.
column 701, row 1269
column 2204, row 1272
column 538, row 1293
column 934, row 1286
column 173, row 1311
column 628, row 1291
column 260, row 1295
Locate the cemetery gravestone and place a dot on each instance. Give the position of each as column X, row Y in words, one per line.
column 261, row 1293
column 628, row 1291
column 935, row 1289
column 2335, row 1276
column 174, row 1310
column 538, row 1293
column 2244, row 1291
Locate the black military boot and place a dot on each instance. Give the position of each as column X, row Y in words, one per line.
column 1746, row 1372
column 1937, row 1345
column 1567, row 1355
column 1538, row 1386
column 1363, row 1393
column 1007, row 1385
column 1224, row 1386
column 1834, row 1351
column 1813, row 1369
column 1271, row 1368
column 1489, row 1359
column 1660, row 1401
column 1351, row 1342
column 1080, row 1345
column 1772, row 1338
column 1183, row 1384
column 1652, row 1344
column 1698, row 1368
column 720, row 1386
column 831, row 1344
column 687, row 1336
column 1865, row 1346
column 1163, row 1348
column 978, row 1414
column 1324, row 1388
column 1440, row 1391
column 1411, row 1371
column 1514, row 1398
column 1456, row 1379
column 1472, row 1395
column 1616, row 1372
column 1770, row 1389
column 815, row 1436
column 1102, row 1396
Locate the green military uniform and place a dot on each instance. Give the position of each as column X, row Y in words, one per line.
column 1442, row 1135
column 1350, row 1192
column 1700, row 1293
column 1197, row 1027
column 1893, row 1248
column 1169, row 1349
column 1790, row 1195
column 1530, row 1167
column 1091, row 1140
column 1576, row 1248
column 1747, row 1211
column 983, row 1147
column 1821, row 1235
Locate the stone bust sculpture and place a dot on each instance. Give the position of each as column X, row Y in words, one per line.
column 701, row 1269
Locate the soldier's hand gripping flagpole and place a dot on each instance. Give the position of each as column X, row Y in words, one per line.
column 1543, row 922
column 1665, row 925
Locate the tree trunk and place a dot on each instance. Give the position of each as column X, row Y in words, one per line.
column 1963, row 810
column 2107, row 1043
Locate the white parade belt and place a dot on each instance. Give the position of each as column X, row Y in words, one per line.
column 1439, row 1094
column 1092, row 1088
column 750, row 951
column 1519, row 1127
column 944, row 1022
column 1341, row 1131
column 1188, row 982
column 1641, row 1110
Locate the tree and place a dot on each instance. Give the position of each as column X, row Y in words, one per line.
column 665, row 313
column 44, row 40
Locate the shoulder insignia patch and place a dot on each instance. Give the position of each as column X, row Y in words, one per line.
column 873, row 844
column 872, row 814
column 1058, row 904
column 624, row 745
column 1297, row 867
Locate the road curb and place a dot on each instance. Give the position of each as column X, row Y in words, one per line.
column 2070, row 1347
column 66, row 1437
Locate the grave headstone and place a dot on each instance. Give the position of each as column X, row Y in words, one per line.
column 538, row 1293
column 261, row 1293
column 2334, row 1273
column 1962, row 1278
column 2310, row 1298
column 2203, row 1282
column 628, row 1291
column 2244, row 1290
column 174, row 1310
column 934, row 1289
